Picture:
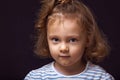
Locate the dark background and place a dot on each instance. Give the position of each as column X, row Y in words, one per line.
column 18, row 16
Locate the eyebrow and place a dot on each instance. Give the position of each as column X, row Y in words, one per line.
column 71, row 35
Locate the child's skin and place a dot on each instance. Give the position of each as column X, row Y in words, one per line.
column 68, row 33
column 67, row 42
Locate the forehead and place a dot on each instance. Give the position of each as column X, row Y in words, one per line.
column 62, row 16
column 63, row 26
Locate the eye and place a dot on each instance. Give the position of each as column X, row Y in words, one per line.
column 55, row 40
column 73, row 40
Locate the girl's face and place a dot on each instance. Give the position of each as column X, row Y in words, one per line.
column 67, row 42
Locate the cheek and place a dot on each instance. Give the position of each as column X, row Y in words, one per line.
column 77, row 51
column 77, row 55
column 53, row 49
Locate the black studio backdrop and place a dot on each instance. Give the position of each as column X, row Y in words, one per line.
column 17, row 57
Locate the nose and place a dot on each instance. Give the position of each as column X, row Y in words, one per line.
column 64, row 48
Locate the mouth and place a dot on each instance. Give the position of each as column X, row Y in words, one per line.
column 64, row 56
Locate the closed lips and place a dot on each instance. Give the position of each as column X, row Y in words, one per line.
column 62, row 55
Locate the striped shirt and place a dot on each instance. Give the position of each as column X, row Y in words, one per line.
column 48, row 72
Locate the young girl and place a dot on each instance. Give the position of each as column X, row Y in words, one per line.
column 68, row 33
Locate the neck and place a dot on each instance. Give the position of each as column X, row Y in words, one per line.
column 70, row 70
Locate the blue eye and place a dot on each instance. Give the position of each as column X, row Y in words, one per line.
column 73, row 40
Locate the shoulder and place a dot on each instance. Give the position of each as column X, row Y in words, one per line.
column 39, row 73
column 98, row 72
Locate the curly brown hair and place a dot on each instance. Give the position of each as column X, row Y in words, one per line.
column 98, row 47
